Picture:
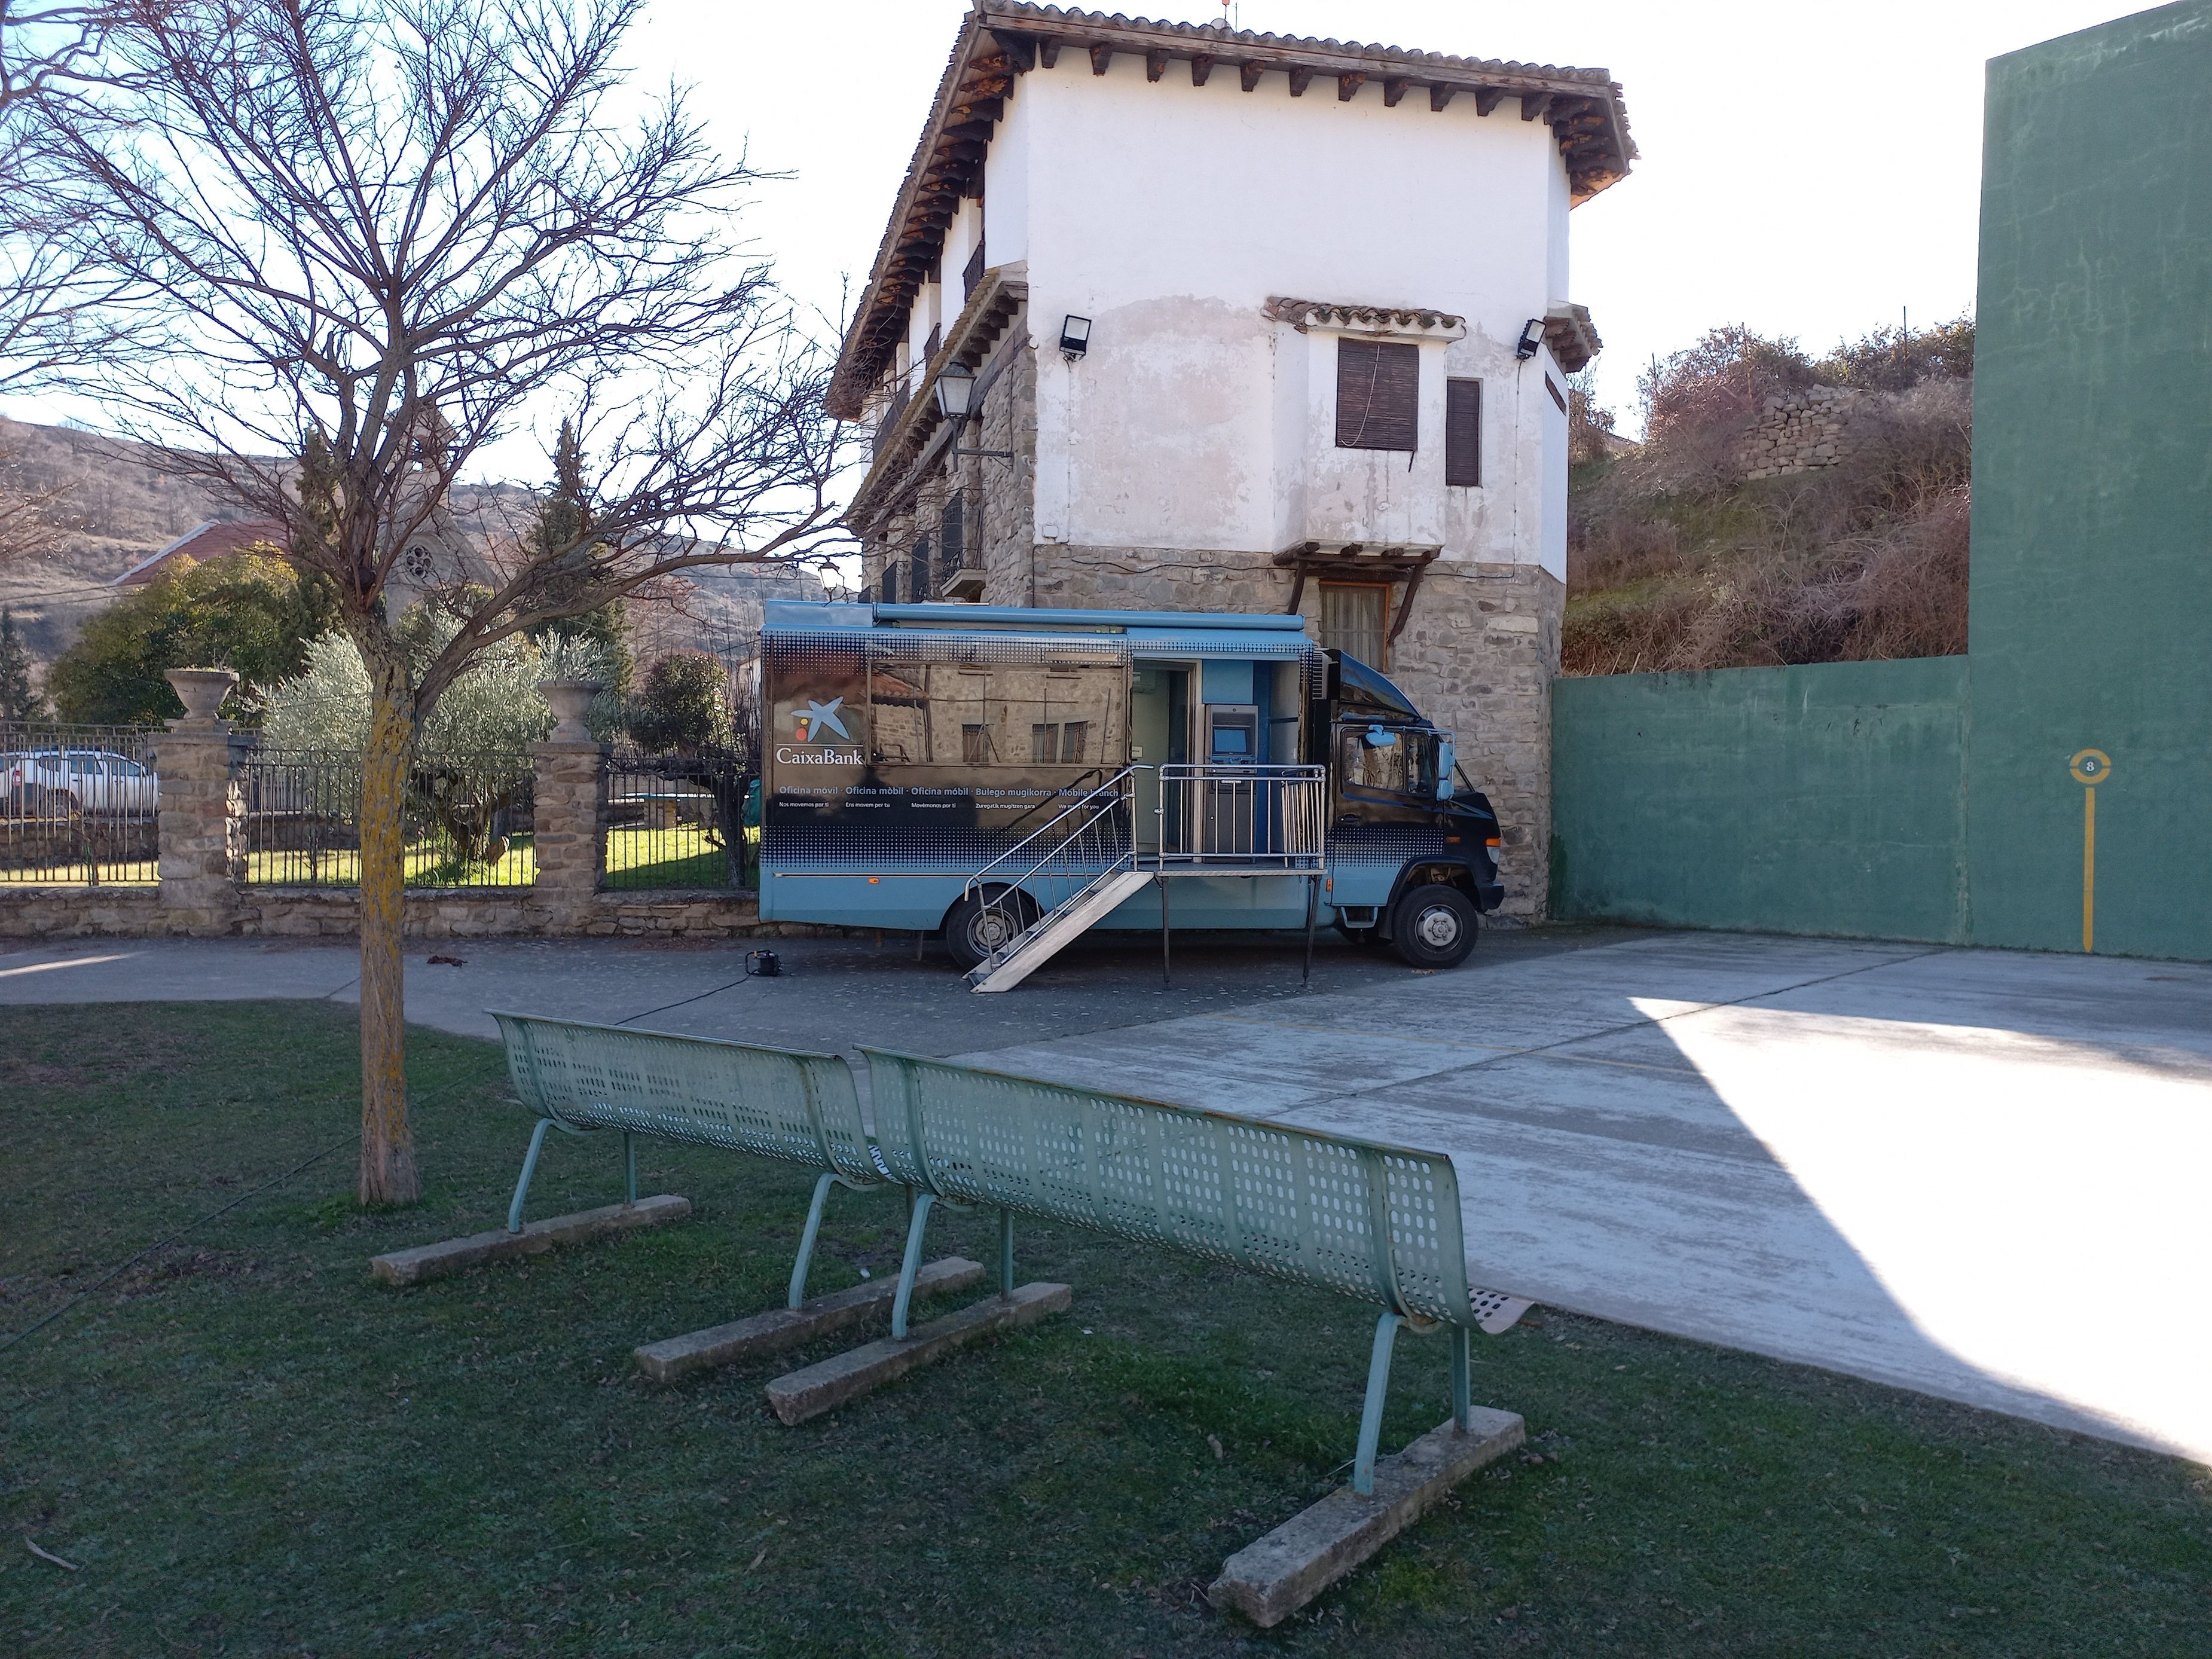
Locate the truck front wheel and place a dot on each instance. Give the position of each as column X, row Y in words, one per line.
column 1433, row 927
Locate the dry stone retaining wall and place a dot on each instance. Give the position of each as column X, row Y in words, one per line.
column 1798, row 431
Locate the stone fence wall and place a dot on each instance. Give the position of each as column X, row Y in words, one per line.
column 1798, row 431
column 201, row 890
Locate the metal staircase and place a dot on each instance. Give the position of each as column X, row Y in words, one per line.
column 1061, row 880
column 1052, row 883
column 1046, row 937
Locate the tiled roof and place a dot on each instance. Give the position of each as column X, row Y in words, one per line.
column 203, row 542
column 1003, row 38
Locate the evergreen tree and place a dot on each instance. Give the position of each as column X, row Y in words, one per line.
column 684, row 706
column 17, row 701
column 564, row 519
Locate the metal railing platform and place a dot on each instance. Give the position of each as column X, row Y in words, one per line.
column 1076, row 869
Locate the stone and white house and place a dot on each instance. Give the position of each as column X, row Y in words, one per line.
column 1254, row 323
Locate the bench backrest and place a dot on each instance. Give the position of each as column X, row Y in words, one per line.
column 801, row 1107
column 1376, row 1222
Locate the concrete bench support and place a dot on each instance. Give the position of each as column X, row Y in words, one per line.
column 786, row 1327
column 453, row 1254
column 825, row 1387
column 1270, row 1580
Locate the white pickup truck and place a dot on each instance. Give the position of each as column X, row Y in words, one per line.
column 43, row 782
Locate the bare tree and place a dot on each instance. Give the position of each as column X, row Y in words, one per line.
column 52, row 53
column 379, row 235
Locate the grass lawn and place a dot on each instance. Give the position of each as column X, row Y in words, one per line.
column 636, row 857
column 246, row 1447
column 429, row 862
column 640, row 856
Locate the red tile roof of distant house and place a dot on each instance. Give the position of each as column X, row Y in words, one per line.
column 205, row 542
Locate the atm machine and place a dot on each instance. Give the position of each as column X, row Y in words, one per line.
column 1232, row 740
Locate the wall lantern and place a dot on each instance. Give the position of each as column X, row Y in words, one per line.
column 956, row 390
column 1531, row 337
column 1074, row 336
column 955, row 401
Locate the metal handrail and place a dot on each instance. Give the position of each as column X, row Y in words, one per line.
column 1274, row 817
column 1118, row 788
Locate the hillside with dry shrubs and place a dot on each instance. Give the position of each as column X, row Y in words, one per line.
column 1675, row 559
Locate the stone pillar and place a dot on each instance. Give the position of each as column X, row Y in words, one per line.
column 202, row 818
column 571, row 816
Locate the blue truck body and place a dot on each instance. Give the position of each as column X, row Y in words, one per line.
column 905, row 747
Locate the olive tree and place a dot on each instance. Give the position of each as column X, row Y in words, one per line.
column 382, row 235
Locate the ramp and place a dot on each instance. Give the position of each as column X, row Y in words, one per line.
column 1046, row 937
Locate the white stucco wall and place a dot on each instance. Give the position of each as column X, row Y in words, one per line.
column 1170, row 214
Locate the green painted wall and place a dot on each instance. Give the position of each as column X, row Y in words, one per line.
column 1914, row 799
column 2092, row 597
column 1821, row 799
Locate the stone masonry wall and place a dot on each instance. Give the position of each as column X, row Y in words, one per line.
column 60, row 913
column 1003, row 494
column 1797, row 431
column 997, row 493
column 201, row 892
column 1477, row 656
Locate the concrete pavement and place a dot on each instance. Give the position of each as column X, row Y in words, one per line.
column 834, row 992
column 1976, row 1174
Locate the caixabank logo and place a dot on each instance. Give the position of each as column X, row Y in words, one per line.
column 812, row 727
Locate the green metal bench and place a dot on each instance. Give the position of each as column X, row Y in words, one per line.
column 1376, row 1222
column 795, row 1107
column 1380, row 1224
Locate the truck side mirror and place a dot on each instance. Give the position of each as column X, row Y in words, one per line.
column 1445, row 761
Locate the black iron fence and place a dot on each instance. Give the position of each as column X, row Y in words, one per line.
column 681, row 821
column 79, row 805
column 467, row 820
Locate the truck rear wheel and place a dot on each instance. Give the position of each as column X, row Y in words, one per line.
column 1433, row 927
column 975, row 927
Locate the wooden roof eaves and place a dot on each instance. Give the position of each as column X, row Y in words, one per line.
column 1004, row 289
column 1218, row 45
column 926, row 176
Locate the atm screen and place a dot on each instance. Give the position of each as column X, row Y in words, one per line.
column 1230, row 740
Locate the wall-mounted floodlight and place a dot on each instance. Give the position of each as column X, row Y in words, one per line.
column 956, row 390
column 1531, row 337
column 1074, row 336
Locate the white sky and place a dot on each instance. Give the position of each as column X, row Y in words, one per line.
column 1807, row 170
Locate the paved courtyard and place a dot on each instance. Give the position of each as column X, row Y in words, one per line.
column 1977, row 1174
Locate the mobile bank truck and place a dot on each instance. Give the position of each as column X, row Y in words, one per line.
column 1011, row 778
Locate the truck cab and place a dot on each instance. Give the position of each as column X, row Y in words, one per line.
column 1413, row 846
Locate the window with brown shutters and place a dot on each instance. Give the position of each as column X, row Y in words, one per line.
column 1462, row 432
column 1378, row 395
column 971, row 276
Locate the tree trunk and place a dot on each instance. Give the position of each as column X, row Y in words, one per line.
column 387, row 1145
